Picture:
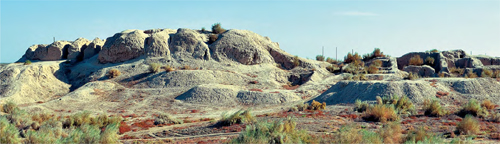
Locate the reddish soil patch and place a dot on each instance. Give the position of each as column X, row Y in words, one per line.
column 275, row 92
column 255, row 89
column 146, row 124
column 351, row 116
column 124, row 128
column 440, row 94
column 288, row 87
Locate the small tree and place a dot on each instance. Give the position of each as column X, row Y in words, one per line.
column 320, row 58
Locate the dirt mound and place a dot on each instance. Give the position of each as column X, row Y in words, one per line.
column 123, row 46
column 211, row 94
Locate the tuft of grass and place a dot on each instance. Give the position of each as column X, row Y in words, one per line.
column 469, row 125
column 487, row 73
column 496, row 74
column 238, row 117
column 320, row 58
column 164, row 118
column 203, row 29
column 471, row 74
column 8, row 132
column 154, row 67
column 217, row 28
column 168, row 68
column 488, row 104
column 360, row 106
column 296, row 61
column 27, row 62
column 110, row 134
column 317, row 106
column 41, row 117
column 416, row 60
column 441, row 74
column 9, row 107
column 404, row 105
column 433, row 108
column 421, row 135
column 495, row 117
column 113, row 73
column 391, row 132
column 84, row 134
column 380, row 113
column 282, row 131
column 429, row 61
column 348, row 134
column 302, row 106
column 473, row 108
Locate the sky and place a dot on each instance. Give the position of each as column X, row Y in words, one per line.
column 301, row 27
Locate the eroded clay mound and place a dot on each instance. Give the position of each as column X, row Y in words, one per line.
column 32, row 83
column 123, row 46
column 349, row 91
column 191, row 78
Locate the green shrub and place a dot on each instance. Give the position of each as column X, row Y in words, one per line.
column 416, row 60
column 320, row 58
column 282, row 131
column 433, row 108
column 355, row 67
column 487, row 73
column 434, row 50
column 114, row 73
column 404, row 105
column 330, row 60
column 296, row 61
column 469, row 125
column 154, row 67
column 27, row 62
column 429, row 61
column 473, row 108
column 49, row 132
column 164, row 118
column 8, row 132
column 84, row 134
column 238, row 117
column 217, row 28
column 203, row 29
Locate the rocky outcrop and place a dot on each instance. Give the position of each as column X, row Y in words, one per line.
column 74, row 51
column 123, row 46
column 487, row 60
column 55, row 51
column 468, row 62
column 157, row 44
column 423, row 71
column 93, row 48
column 188, row 43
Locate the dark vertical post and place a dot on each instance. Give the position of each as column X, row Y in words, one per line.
column 323, row 51
column 336, row 58
column 54, row 39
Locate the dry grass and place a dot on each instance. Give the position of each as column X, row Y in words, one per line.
column 496, row 74
column 488, row 105
column 238, row 117
column 186, row 67
column 282, row 131
column 168, row 68
column 433, row 108
column 217, row 28
column 9, row 107
column 377, row 63
column 469, row 125
column 412, row 76
column 380, row 113
column 154, row 67
column 320, row 58
column 212, row 38
column 372, row 69
column 164, row 118
column 317, row 106
column 416, row 60
column 110, row 134
column 455, row 70
column 429, row 61
column 8, row 132
column 113, row 73
column 473, row 108
column 351, row 58
column 391, row 133
column 333, row 68
column 471, row 74
column 495, row 117
column 487, row 73
column 441, row 74
column 296, row 61
column 421, row 135
column 348, row 134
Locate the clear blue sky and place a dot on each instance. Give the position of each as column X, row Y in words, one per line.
column 301, row 27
